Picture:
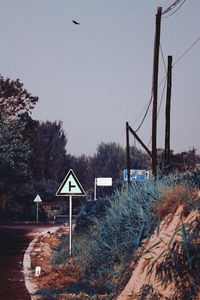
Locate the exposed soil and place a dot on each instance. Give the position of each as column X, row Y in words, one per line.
column 53, row 277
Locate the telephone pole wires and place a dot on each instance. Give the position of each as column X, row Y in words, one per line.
column 155, row 89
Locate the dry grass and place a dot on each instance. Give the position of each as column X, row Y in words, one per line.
column 53, row 277
column 172, row 197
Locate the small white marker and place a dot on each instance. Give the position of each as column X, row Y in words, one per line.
column 37, row 271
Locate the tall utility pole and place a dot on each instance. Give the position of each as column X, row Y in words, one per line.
column 128, row 152
column 167, row 113
column 155, row 89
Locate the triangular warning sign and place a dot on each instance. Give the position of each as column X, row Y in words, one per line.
column 70, row 186
column 37, row 199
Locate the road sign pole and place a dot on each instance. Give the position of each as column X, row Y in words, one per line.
column 70, row 225
column 37, row 200
column 95, row 189
column 37, row 213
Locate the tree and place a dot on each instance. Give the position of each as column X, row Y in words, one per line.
column 81, row 165
column 14, row 159
column 49, row 153
column 14, row 99
column 139, row 159
column 109, row 161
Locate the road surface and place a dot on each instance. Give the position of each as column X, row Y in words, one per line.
column 14, row 240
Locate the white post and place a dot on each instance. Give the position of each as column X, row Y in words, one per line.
column 95, row 189
column 70, row 225
column 37, row 213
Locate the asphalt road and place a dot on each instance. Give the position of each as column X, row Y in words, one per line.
column 14, row 240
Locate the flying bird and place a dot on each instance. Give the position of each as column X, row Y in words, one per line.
column 77, row 23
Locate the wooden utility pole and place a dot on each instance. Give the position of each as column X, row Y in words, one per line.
column 128, row 152
column 155, row 89
column 167, row 113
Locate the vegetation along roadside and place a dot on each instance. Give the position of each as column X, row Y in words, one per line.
column 111, row 235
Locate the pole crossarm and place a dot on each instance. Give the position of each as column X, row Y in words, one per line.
column 139, row 140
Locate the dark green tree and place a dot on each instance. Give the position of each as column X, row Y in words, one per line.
column 139, row 159
column 109, row 161
column 48, row 145
column 15, row 157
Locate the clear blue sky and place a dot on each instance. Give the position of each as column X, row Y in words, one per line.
column 96, row 76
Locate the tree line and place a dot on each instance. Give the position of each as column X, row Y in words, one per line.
column 34, row 158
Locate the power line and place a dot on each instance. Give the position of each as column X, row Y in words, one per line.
column 149, row 103
column 162, row 95
column 164, row 78
column 163, row 58
column 161, row 100
column 193, row 44
column 148, row 106
column 142, row 111
column 147, row 110
column 171, row 7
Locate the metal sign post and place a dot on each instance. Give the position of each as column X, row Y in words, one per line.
column 70, row 225
column 70, row 187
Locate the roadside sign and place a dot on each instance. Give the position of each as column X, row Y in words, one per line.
column 104, row 181
column 37, row 199
column 70, row 186
column 136, row 175
column 101, row 181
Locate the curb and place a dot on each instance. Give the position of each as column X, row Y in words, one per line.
column 28, row 272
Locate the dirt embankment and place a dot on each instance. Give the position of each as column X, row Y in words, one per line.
column 145, row 281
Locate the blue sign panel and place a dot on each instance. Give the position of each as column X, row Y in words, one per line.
column 136, row 175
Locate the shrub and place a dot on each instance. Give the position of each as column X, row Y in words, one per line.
column 109, row 231
column 90, row 211
column 171, row 198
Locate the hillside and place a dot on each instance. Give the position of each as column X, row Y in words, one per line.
column 142, row 243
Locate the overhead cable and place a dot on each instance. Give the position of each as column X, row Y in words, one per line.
column 163, row 58
column 145, row 114
column 161, row 100
column 171, row 7
column 193, row 44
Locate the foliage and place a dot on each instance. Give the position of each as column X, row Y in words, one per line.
column 89, row 212
column 14, row 158
column 49, row 153
column 184, row 161
column 14, row 99
column 139, row 159
column 106, row 248
column 181, row 262
column 81, row 165
column 191, row 179
column 110, row 161
column 171, row 198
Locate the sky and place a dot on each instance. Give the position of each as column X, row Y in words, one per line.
column 97, row 76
